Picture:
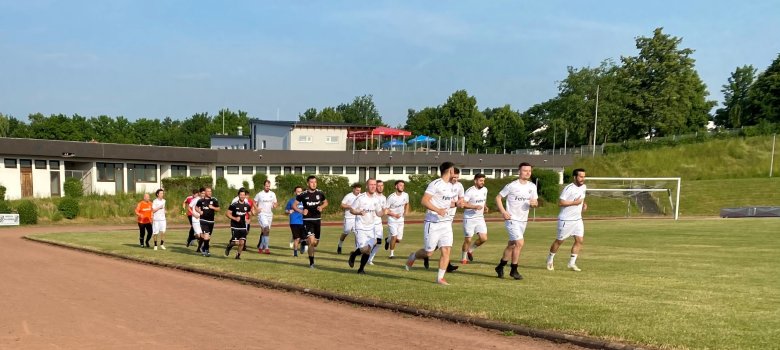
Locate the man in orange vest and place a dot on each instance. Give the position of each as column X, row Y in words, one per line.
column 143, row 211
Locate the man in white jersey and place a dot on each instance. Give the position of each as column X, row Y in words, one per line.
column 397, row 205
column 457, row 201
column 366, row 207
column 438, row 199
column 572, row 204
column 520, row 196
column 196, row 228
column 158, row 218
column 265, row 202
column 379, row 230
column 474, row 200
column 349, row 218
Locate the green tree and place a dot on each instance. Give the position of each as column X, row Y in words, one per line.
column 664, row 92
column 460, row 117
column 5, row 126
column 361, row 110
column 309, row 114
column 506, row 129
column 764, row 95
column 735, row 98
column 329, row 114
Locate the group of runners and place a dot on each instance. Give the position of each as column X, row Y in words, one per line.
column 363, row 217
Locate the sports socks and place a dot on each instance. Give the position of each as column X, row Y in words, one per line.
column 474, row 246
column 502, row 263
column 573, row 259
column 373, row 252
column 441, row 274
column 311, row 260
column 340, row 243
column 392, row 252
column 363, row 261
column 463, row 255
column 550, row 257
column 513, row 268
column 206, row 245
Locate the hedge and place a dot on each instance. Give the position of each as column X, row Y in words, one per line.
column 2, row 192
column 69, row 207
column 28, row 212
column 73, row 187
column 258, row 180
column 185, row 184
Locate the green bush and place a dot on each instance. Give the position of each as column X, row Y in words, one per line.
column 4, row 207
column 245, row 185
column 55, row 216
column 221, row 183
column 73, row 187
column 180, row 185
column 258, row 180
column 335, row 188
column 546, row 184
column 2, row 192
column 28, row 212
column 69, row 207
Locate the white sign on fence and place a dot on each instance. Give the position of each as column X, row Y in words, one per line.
column 9, row 219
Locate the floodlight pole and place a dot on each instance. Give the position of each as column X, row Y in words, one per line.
column 596, row 121
column 772, row 159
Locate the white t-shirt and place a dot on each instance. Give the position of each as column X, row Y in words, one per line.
column 397, row 204
column 193, row 204
column 518, row 199
column 369, row 205
column 442, row 195
column 458, row 193
column 381, row 200
column 570, row 193
column 348, row 200
column 160, row 214
column 474, row 196
column 265, row 202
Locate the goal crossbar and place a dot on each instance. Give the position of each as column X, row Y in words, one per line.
column 674, row 179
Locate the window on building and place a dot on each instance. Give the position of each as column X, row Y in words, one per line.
column 288, row 170
column 25, row 163
column 246, row 170
column 477, row 171
column 384, row 170
column 220, row 172
column 10, row 163
column 411, row 170
column 263, row 145
column 275, row 170
column 107, row 171
column 465, row 171
column 337, row 170
column 331, row 139
column 178, row 170
column 352, row 170
column 144, row 172
column 232, row 169
column 310, row 169
column 398, row 170
column 488, row 172
column 422, row 170
column 304, row 139
column 196, row 172
column 324, row 170
column 40, row 164
column 261, row 169
column 54, row 164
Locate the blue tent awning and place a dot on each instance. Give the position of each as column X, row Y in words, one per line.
column 422, row 139
column 393, row 143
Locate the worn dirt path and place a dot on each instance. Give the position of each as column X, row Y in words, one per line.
column 55, row 298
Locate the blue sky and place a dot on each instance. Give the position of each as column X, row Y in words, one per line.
column 175, row 58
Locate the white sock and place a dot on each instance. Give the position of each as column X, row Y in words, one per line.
column 441, row 274
column 573, row 259
column 550, row 257
column 463, row 256
column 340, row 243
column 373, row 252
column 473, row 247
column 392, row 252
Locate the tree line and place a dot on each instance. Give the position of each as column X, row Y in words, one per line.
column 655, row 93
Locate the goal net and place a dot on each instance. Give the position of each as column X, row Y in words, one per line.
column 635, row 196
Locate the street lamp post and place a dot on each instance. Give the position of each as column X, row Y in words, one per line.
column 596, row 121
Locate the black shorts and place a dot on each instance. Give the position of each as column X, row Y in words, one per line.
column 206, row 227
column 237, row 233
column 189, row 219
column 298, row 231
column 312, row 228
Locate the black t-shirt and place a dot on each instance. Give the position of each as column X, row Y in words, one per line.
column 239, row 210
column 208, row 213
column 311, row 200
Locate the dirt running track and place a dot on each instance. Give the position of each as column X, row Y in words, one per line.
column 55, row 298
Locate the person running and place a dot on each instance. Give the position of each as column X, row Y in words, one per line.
column 349, row 219
column 520, row 196
column 207, row 208
column 438, row 199
column 159, row 223
column 143, row 212
column 237, row 213
column 475, row 202
column 314, row 202
column 379, row 230
column 572, row 204
column 397, row 207
column 296, row 220
column 248, row 214
column 366, row 207
column 186, row 207
column 265, row 202
column 196, row 228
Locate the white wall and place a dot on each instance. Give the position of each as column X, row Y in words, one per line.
column 11, row 180
column 318, row 136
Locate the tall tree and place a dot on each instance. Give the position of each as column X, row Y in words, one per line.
column 5, row 126
column 764, row 95
column 460, row 117
column 735, row 98
column 506, row 129
column 360, row 111
column 309, row 114
column 664, row 91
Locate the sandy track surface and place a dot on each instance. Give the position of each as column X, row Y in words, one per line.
column 55, row 298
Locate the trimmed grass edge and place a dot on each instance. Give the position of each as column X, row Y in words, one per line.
column 557, row 337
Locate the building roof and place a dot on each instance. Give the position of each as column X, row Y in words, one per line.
column 230, row 137
column 309, row 123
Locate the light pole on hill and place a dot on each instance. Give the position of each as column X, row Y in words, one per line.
column 596, row 121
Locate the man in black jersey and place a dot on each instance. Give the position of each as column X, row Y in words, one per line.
column 237, row 215
column 314, row 203
column 206, row 207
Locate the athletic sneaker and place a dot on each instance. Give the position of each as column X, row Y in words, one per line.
column 451, row 268
column 267, row 251
column 409, row 262
column 291, row 244
column 338, row 250
column 370, row 262
column 259, row 250
column 464, row 262
column 361, row 272
column 155, row 247
column 550, row 266
column 142, row 244
column 426, row 263
column 391, row 257
column 205, row 253
column 189, row 241
column 162, row 247
column 238, row 257
column 387, row 244
column 516, row 275
column 227, row 249
column 208, row 253
column 443, row 282
column 470, row 255
column 574, row 268
column 311, row 266
column 500, row 271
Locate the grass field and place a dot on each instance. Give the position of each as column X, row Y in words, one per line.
column 690, row 284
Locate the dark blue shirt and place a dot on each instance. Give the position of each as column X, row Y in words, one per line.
column 296, row 218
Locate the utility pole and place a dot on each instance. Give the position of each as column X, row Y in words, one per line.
column 596, row 121
column 772, row 161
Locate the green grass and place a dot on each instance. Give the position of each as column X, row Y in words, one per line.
column 697, row 284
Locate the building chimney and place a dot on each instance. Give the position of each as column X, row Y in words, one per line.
column 240, row 131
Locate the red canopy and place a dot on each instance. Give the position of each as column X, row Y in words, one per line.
column 381, row 130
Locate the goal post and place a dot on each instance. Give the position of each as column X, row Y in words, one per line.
column 632, row 185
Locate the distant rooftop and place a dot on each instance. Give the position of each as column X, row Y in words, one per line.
column 295, row 123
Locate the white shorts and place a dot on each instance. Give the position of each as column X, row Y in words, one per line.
column 265, row 220
column 364, row 238
column 196, row 226
column 515, row 229
column 474, row 226
column 379, row 231
column 349, row 225
column 437, row 234
column 158, row 226
column 396, row 229
column 567, row 229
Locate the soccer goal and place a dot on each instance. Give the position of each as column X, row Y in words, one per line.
column 646, row 194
